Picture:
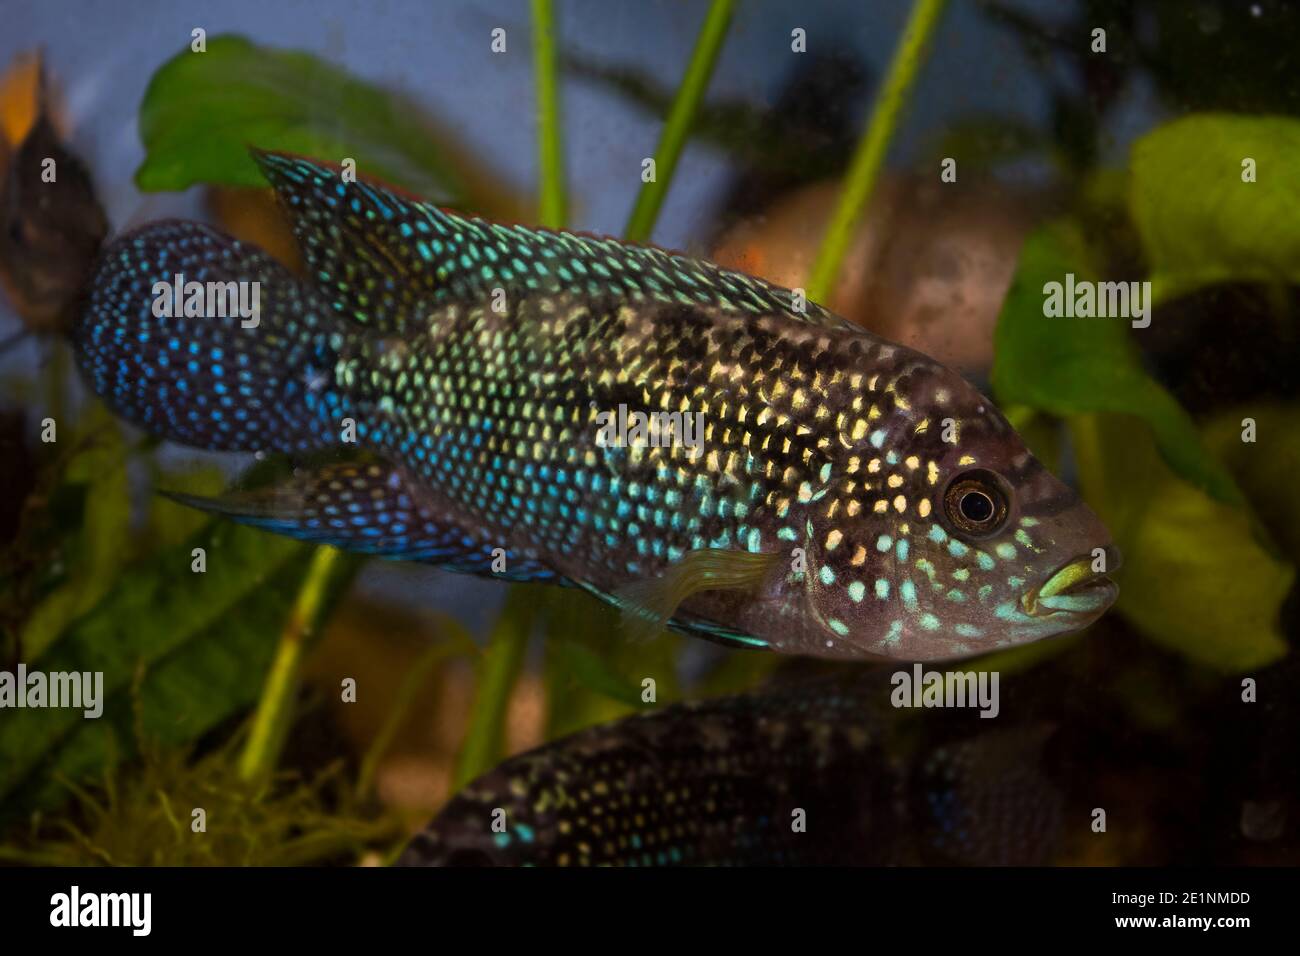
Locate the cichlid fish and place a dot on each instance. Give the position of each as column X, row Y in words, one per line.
column 786, row 480
column 815, row 773
column 51, row 223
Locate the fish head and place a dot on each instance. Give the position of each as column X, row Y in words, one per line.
column 944, row 537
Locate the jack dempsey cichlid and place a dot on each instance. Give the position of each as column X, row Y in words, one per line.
column 812, row 773
column 694, row 445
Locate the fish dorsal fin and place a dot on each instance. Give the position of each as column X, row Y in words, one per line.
column 384, row 257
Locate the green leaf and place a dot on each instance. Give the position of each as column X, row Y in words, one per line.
column 587, row 652
column 1199, row 222
column 169, row 523
column 497, row 672
column 1068, row 366
column 594, row 673
column 99, row 467
column 202, row 111
column 739, row 671
column 1197, row 578
column 198, row 645
column 1266, row 467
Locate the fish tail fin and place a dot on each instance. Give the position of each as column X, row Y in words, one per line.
column 241, row 358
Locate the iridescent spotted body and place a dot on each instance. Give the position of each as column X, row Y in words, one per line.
column 809, row 774
column 849, row 497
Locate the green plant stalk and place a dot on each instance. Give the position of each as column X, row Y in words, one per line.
column 498, row 670
column 457, row 644
column 499, row 667
column 327, row 576
column 864, row 169
column 678, row 125
column 554, row 206
column 501, row 663
column 10, row 854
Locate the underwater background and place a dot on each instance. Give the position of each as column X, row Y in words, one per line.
column 1175, row 713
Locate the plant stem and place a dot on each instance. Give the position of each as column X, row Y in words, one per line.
column 23, row 857
column 458, row 643
column 498, row 669
column 680, row 117
column 553, row 211
column 327, row 576
column 867, row 159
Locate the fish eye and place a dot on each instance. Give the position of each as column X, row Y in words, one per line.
column 976, row 503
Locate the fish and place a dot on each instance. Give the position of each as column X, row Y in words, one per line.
column 810, row 773
column 51, row 222
column 846, row 498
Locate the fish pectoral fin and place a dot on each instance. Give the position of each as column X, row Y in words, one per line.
column 648, row 606
column 369, row 508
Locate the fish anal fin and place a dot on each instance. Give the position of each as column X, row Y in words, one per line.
column 369, row 508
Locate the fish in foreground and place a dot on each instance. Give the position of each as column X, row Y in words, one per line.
column 847, row 497
column 814, row 773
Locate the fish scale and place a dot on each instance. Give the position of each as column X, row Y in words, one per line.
column 355, row 236
column 724, row 781
column 477, row 361
column 518, row 452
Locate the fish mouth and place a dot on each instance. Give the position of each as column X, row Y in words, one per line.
column 1075, row 588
